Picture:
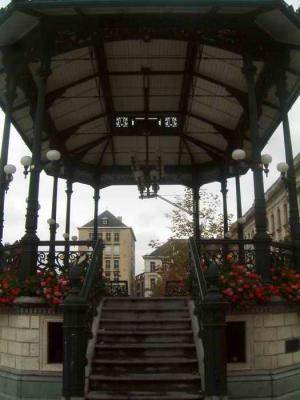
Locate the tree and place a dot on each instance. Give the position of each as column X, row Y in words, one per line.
column 211, row 219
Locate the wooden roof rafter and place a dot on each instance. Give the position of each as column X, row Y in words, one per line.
column 81, row 151
column 216, row 154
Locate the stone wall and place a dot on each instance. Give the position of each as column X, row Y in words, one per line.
column 24, row 366
column 270, row 370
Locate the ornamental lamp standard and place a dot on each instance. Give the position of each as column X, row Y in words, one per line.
column 239, row 155
column 283, row 168
column 9, row 170
column 241, row 220
column 54, row 157
column 26, row 162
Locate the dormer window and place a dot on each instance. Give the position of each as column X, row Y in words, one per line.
column 104, row 221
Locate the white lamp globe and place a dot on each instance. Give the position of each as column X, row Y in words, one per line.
column 53, row 155
column 238, row 154
column 74, row 238
column 26, row 161
column 154, row 174
column 228, row 235
column 282, row 167
column 51, row 221
column 57, row 225
column 9, row 169
column 66, row 236
column 266, row 159
column 241, row 220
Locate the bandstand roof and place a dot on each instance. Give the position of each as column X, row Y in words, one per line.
column 149, row 79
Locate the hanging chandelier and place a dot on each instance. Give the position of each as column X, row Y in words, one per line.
column 147, row 177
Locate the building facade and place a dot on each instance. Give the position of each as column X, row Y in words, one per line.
column 160, row 264
column 277, row 208
column 119, row 251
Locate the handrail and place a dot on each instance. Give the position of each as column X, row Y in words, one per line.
column 196, row 271
column 92, row 270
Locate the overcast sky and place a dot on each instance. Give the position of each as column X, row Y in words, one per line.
column 146, row 217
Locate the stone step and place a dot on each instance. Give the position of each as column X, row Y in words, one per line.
column 143, row 395
column 145, row 302
column 139, row 313
column 152, row 382
column 144, row 350
column 146, row 324
column 148, row 365
column 108, row 336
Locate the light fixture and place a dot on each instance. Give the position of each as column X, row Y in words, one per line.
column 66, row 236
column 238, row 154
column 74, row 238
column 26, row 162
column 266, row 159
column 51, row 221
column 147, row 177
column 283, row 168
column 228, row 235
column 241, row 220
column 56, row 225
column 9, row 170
column 53, row 155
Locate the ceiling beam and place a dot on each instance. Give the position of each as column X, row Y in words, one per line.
column 104, row 81
column 228, row 134
column 187, row 146
column 213, row 152
column 66, row 133
column 100, row 161
column 186, row 87
column 80, row 152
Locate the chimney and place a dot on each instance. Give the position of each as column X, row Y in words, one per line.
column 119, row 219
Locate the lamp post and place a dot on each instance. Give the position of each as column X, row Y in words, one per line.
column 96, row 203
column 10, row 96
column 54, row 157
column 240, row 219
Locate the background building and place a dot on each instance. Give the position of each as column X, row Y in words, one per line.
column 277, row 207
column 119, row 251
column 166, row 262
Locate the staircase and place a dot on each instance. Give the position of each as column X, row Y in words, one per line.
column 145, row 351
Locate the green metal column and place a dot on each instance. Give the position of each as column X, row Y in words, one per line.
column 53, row 227
column 96, row 203
column 30, row 240
column 196, row 214
column 224, row 192
column 69, row 192
column 214, row 337
column 10, row 96
column 239, row 213
column 262, row 239
column 291, row 177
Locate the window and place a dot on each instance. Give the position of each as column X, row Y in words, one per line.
column 55, row 343
column 152, row 283
column 236, row 341
column 107, row 250
column 100, row 235
column 91, row 235
column 152, row 266
column 272, row 224
column 278, row 219
column 116, row 237
column 116, row 250
column 286, row 217
column 107, row 264
column 116, row 264
column 104, row 221
column 108, row 236
column 107, row 275
column 116, row 276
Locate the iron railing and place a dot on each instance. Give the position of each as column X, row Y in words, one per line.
column 116, row 288
column 11, row 255
column 79, row 309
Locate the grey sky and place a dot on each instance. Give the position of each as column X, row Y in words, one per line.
column 147, row 217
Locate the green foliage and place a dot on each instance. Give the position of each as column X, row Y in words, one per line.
column 211, row 219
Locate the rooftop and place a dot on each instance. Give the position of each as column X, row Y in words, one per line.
column 160, row 81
